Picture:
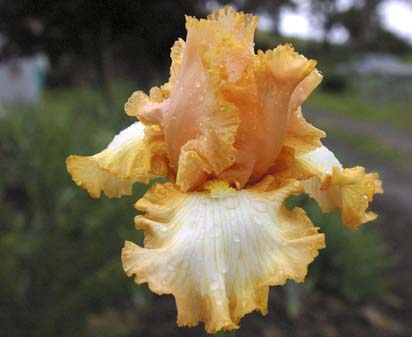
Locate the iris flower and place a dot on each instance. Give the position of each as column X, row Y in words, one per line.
column 228, row 133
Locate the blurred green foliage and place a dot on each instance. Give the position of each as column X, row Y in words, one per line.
column 61, row 273
column 368, row 98
column 60, row 249
column 354, row 263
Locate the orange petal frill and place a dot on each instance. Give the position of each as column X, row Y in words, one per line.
column 226, row 110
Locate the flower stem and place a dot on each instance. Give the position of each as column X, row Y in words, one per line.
column 225, row 334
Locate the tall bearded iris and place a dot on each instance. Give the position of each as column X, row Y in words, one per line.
column 228, row 132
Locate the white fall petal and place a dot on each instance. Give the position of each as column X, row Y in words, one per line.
column 322, row 161
column 217, row 252
column 137, row 153
column 336, row 188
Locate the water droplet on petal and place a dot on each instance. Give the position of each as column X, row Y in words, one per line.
column 214, row 285
column 259, row 206
column 201, row 98
column 197, row 84
column 219, row 302
column 244, row 302
column 236, row 238
column 365, row 197
column 221, row 266
column 231, row 203
column 257, row 219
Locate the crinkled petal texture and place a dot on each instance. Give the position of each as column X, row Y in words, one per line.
column 135, row 154
column 333, row 187
column 218, row 251
column 226, row 111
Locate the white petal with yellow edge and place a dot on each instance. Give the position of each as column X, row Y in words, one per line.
column 335, row 188
column 218, row 251
column 135, row 154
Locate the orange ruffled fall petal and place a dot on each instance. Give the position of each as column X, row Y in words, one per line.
column 135, row 154
column 219, row 250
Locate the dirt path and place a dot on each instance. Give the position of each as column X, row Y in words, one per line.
column 385, row 134
column 397, row 179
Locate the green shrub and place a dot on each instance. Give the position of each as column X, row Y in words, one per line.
column 354, row 263
column 60, row 249
column 335, row 83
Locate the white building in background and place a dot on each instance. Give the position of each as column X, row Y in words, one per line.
column 378, row 64
column 22, row 79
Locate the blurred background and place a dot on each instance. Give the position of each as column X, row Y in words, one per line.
column 66, row 69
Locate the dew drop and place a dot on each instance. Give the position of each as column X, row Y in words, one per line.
column 231, row 203
column 214, row 285
column 222, row 268
column 163, row 229
column 365, row 197
column 257, row 219
column 296, row 184
column 259, row 206
column 219, row 302
column 244, row 302
column 197, row 84
column 236, row 238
